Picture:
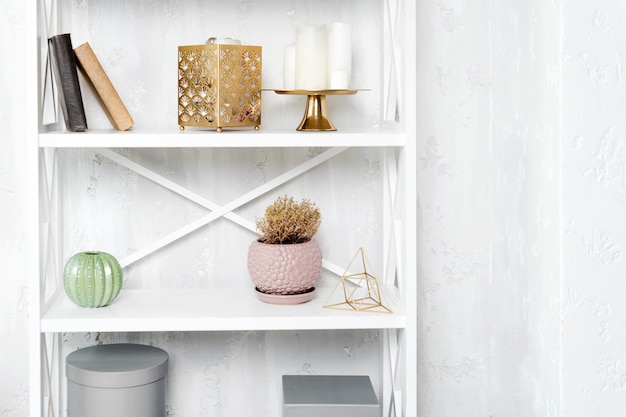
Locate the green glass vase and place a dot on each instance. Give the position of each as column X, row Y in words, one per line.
column 92, row 279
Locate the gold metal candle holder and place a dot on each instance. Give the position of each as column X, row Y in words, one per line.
column 361, row 291
column 219, row 85
column 315, row 114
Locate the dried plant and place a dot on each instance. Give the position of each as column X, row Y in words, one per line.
column 287, row 221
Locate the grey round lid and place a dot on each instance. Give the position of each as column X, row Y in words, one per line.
column 116, row 365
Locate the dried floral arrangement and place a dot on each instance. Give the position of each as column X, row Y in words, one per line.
column 288, row 221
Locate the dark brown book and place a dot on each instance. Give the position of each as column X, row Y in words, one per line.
column 110, row 99
column 64, row 67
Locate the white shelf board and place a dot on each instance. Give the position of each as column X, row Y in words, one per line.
column 388, row 136
column 210, row 310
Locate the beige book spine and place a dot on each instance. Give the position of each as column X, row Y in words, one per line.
column 113, row 104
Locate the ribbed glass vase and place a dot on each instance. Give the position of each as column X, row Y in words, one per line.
column 92, row 279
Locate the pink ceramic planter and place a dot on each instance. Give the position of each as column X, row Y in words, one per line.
column 284, row 269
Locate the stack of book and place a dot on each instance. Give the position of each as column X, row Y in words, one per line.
column 65, row 62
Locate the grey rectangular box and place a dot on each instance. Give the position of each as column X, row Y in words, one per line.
column 329, row 396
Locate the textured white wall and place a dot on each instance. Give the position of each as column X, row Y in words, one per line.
column 594, row 203
column 14, row 250
column 488, row 132
column 525, row 140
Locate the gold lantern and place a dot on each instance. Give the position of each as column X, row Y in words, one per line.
column 219, row 85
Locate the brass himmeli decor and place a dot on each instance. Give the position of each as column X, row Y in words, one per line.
column 361, row 291
column 219, row 86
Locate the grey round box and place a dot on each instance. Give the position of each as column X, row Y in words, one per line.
column 121, row 380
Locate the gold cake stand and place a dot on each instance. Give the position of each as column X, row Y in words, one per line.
column 315, row 114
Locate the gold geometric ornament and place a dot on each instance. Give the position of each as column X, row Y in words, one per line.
column 361, row 291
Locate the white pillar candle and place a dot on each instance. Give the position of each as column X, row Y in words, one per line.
column 340, row 55
column 339, row 80
column 289, row 67
column 311, row 57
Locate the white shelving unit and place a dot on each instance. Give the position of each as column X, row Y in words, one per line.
column 228, row 309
